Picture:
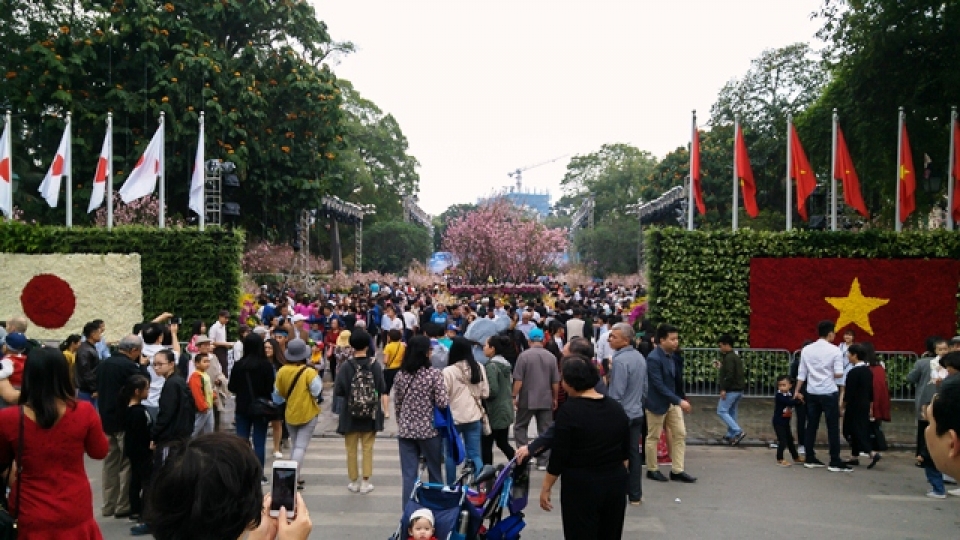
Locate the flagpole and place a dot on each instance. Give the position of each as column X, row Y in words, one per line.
column 109, row 193
column 8, row 151
column 789, row 171
column 690, row 201
column 736, row 180
column 69, row 160
column 200, row 163
column 162, row 211
column 833, row 174
column 951, row 167
column 897, row 225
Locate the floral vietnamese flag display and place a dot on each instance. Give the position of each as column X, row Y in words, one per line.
column 893, row 303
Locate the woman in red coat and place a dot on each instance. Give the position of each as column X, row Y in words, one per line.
column 55, row 501
column 880, row 412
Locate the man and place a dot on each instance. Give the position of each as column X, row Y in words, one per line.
column 536, row 381
column 526, row 323
column 628, row 382
column 731, row 381
column 103, row 348
column 665, row 406
column 821, row 365
column 152, row 344
column 218, row 335
column 88, row 359
column 112, row 374
column 604, row 350
column 300, row 329
column 440, row 315
column 176, row 413
column 411, row 321
column 943, row 432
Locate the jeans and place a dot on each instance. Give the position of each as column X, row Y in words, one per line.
column 246, row 423
column 471, row 433
column 203, row 422
column 635, row 487
column 410, row 452
column 88, row 397
column 727, row 411
column 300, row 439
column 935, row 477
column 829, row 406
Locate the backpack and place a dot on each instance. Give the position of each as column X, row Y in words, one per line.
column 363, row 393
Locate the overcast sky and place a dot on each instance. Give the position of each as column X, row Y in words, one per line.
column 482, row 88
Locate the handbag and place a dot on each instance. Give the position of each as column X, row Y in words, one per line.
column 483, row 418
column 262, row 407
column 8, row 522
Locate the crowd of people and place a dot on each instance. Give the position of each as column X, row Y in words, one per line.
column 603, row 391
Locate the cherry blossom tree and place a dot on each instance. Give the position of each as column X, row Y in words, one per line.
column 498, row 241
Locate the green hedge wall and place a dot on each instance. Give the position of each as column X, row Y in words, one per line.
column 699, row 281
column 190, row 273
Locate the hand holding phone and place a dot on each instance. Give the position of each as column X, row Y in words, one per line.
column 285, row 475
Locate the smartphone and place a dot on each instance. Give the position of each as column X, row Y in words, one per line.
column 177, row 320
column 285, row 475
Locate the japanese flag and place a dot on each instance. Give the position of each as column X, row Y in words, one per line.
column 50, row 187
column 143, row 180
column 6, row 174
column 100, row 178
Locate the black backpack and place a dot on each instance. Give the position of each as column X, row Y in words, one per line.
column 363, row 393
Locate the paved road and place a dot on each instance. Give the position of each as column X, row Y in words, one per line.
column 741, row 494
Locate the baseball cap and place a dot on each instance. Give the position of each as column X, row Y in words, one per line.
column 16, row 342
column 536, row 334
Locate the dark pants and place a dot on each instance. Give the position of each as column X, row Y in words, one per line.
column 635, row 489
column 388, row 377
column 411, row 450
column 856, row 430
column 502, row 438
column 827, row 405
column 256, row 424
column 592, row 503
column 785, row 441
column 140, row 469
column 800, row 412
column 921, row 441
column 221, row 354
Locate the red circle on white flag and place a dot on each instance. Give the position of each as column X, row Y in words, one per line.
column 48, row 301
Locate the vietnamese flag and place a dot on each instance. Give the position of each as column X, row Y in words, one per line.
column 695, row 173
column 893, row 303
column 801, row 171
column 907, row 181
column 745, row 174
column 848, row 175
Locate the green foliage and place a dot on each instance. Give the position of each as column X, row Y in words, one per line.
column 183, row 271
column 390, row 246
column 609, row 248
column 700, row 280
column 441, row 222
column 615, row 175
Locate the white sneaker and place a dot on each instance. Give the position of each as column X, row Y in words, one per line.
column 354, row 487
column 541, row 467
column 935, row 495
column 366, row 487
column 278, row 455
column 801, row 450
column 947, row 479
column 954, row 492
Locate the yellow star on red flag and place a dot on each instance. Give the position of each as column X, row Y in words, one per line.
column 855, row 308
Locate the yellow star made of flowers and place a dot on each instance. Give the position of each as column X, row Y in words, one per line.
column 856, row 308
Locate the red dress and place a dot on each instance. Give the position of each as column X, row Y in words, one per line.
column 56, row 502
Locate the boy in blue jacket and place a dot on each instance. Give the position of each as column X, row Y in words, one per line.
column 782, row 412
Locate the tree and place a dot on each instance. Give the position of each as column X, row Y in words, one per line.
column 609, row 248
column 441, row 222
column 615, row 176
column 885, row 54
column 390, row 246
column 498, row 241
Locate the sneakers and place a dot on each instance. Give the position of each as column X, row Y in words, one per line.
column 366, row 487
column 935, row 495
column 278, row 455
column 954, row 492
column 813, row 463
column 541, row 467
column 737, row 438
column 855, row 462
column 143, row 529
column 801, row 450
column 354, row 487
column 840, row 468
column 783, row 463
column 874, row 460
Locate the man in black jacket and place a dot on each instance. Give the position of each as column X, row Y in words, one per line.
column 175, row 419
column 88, row 359
column 112, row 374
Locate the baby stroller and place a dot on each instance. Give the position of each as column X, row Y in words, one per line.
column 509, row 491
column 455, row 518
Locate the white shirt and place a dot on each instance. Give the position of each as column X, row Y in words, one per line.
column 156, row 381
column 819, row 363
column 411, row 320
column 217, row 332
column 604, row 350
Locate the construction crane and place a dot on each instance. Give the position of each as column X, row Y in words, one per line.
column 518, row 174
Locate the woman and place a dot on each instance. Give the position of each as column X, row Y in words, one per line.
column 69, row 349
column 298, row 386
column 252, row 378
column 330, row 338
column 342, row 352
column 199, row 328
column 466, row 383
column 273, row 350
column 359, row 429
column 52, row 492
column 881, row 397
column 590, row 451
column 419, row 388
column 393, row 355
column 500, row 403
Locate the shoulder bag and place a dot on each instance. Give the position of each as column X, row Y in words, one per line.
column 259, row 406
column 487, row 430
column 8, row 522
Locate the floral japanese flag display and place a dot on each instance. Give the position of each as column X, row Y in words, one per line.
column 893, row 303
column 59, row 293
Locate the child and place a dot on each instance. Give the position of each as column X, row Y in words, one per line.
column 782, row 413
column 203, row 396
column 857, row 406
column 136, row 422
column 421, row 525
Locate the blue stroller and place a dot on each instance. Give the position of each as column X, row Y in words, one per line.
column 455, row 517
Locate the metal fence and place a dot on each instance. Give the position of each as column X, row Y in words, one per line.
column 762, row 367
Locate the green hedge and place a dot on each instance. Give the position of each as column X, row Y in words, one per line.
column 190, row 273
column 699, row 281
